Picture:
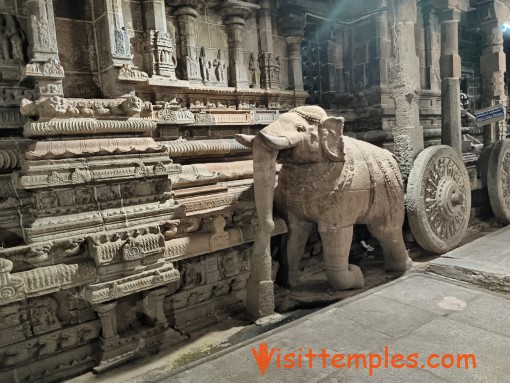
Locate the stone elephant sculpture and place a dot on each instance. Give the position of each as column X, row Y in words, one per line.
column 331, row 180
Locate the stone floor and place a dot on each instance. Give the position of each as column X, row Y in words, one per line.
column 421, row 313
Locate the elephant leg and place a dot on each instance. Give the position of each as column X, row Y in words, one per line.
column 299, row 232
column 336, row 244
column 394, row 248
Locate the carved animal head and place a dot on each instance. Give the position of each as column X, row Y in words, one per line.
column 303, row 135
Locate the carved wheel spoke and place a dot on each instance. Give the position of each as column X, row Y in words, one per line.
column 498, row 180
column 438, row 199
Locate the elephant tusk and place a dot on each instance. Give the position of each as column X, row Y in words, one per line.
column 274, row 142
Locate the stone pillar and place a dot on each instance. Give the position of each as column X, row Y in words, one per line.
column 153, row 306
column 188, row 66
column 266, row 46
column 493, row 63
column 158, row 45
column 404, row 84
column 114, row 40
column 432, row 76
column 44, row 67
column 118, row 76
column 450, row 69
column 108, row 316
column 292, row 29
column 234, row 15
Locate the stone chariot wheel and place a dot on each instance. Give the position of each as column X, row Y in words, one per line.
column 438, row 199
column 498, row 180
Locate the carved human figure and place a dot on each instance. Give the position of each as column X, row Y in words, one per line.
column 5, row 45
column 203, row 65
column 253, row 68
column 327, row 179
column 15, row 38
column 220, row 67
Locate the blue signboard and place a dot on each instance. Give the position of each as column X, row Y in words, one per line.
column 490, row 115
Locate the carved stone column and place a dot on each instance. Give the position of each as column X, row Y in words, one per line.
column 153, row 306
column 115, row 64
column 158, row 45
column 450, row 84
column 492, row 14
column 108, row 316
column 188, row 66
column 234, row 15
column 44, row 67
column 292, row 29
column 267, row 61
column 404, row 83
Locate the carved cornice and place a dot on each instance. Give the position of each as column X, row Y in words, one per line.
column 43, row 280
column 59, row 107
column 183, row 148
column 87, row 127
column 85, row 148
column 103, row 292
column 217, row 239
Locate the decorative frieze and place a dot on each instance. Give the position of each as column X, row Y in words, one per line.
column 103, row 292
column 132, row 245
column 87, row 127
column 59, row 107
column 184, row 148
column 158, row 54
column 218, row 238
column 86, row 148
column 41, row 281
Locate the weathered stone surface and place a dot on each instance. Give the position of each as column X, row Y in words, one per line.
column 315, row 176
column 498, row 180
column 438, row 199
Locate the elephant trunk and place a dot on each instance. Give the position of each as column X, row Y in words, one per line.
column 260, row 297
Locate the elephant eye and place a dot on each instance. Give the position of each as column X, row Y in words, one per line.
column 301, row 128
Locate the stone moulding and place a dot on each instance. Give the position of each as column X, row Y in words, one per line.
column 59, row 107
column 233, row 117
column 108, row 219
column 43, row 280
column 219, row 239
column 103, row 292
column 9, row 159
column 48, row 345
column 49, row 70
column 178, row 117
column 46, row 173
column 201, row 148
column 81, row 148
column 87, row 126
column 127, row 246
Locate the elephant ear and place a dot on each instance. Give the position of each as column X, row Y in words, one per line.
column 332, row 140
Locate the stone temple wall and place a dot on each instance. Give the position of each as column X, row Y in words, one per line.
column 126, row 205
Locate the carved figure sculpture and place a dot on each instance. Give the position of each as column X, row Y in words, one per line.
column 254, row 70
column 328, row 179
column 220, row 67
